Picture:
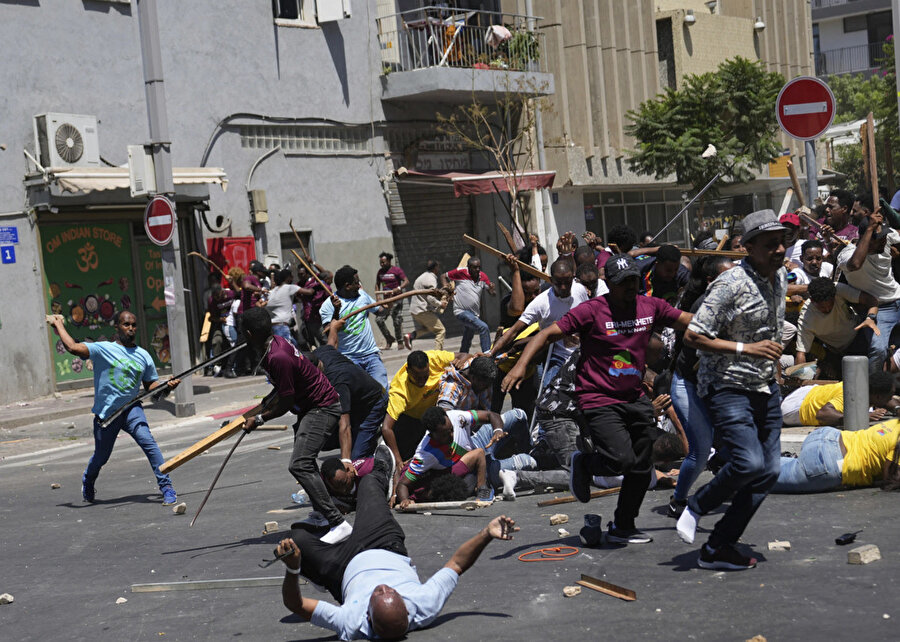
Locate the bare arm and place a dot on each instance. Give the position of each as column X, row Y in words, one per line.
column 862, row 246
column 290, row 588
column 333, row 328
column 283, row 405
column 345, row 437
column 515, row 376
column 507, row 338
column 761, row 349
column 465, row 556
column 516, row 304
column 78, row 349
column 683, row 321
column 828, row 415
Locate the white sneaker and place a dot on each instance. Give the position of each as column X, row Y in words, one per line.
column 337, row 533
column 509, row 479
column 687, row 525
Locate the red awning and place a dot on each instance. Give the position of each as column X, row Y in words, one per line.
column 468, row 184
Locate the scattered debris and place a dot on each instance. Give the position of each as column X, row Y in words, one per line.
column 274, row 447
column 563, row 532
column 886, row 616
column 571, row 591
column 7, row 598
column 558, row 518
column 607, row 587
column 121, row 600
column 179, row 509
column 270, row 527
column 427, row 512
column 54, row 486
column 779, row 545
column 757, row 638
column 863, row 554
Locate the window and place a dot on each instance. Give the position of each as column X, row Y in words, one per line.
column 855, row 23
column 295, row 13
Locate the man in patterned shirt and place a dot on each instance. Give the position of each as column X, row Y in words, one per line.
column 737, row 331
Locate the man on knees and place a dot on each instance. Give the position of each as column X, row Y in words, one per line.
column 737, row 331
column 614, row 330
column 304, row 390
column 120, row 367
column 370, row 574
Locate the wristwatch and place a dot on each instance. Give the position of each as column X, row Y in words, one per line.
column 259, row 420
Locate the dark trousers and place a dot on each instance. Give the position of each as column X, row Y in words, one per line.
column 622, row 435
column 374, row 528
column 749, row 426
column 367, row 430
column 311, row 432
column 408, row 432
column 396, row 314
column 523, row 398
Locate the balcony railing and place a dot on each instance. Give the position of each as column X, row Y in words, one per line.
column 441, row 37
column 825, row 4
column 849, row 59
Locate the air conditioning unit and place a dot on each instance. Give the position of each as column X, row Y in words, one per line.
column 66, row 140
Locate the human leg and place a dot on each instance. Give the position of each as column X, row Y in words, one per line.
column 693, row 416
column 888, row 317
column 104, row 440
column 561, row 436
column 136, row 426
column 468, row 330
column 641, row 423
column 409, row 432
column 369, row 428
column 380, row 317
column 313, row 430
column 818, row 466
column 373, row 364
column 397, row 318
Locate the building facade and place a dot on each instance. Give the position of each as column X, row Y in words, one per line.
column 849, row 35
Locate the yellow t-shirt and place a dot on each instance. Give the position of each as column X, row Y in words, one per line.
column 406, row 398
column 867, row 451
column 816, row 399
column 507, row 364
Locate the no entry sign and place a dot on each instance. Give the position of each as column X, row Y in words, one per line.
column 159, row 220
column 805, row 108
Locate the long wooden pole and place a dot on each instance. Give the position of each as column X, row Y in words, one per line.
column 311, row 271
column 203, row 258
column 568, row 499
column 873, row 167
column 732, row 254
column 795, row 182
column 393, row 299
column 300, row 241
column 495, row 252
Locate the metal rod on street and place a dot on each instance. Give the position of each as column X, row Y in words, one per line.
column 855, row 373
column 685, row 208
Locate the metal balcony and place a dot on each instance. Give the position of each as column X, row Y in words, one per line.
column 847, row 60
column 440, row 54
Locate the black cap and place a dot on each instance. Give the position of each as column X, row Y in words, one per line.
column 619, row 267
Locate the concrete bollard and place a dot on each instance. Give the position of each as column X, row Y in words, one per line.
column 855, row 371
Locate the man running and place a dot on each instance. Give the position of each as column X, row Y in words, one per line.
column 120, row 367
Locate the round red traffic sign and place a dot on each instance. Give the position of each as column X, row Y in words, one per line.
column 159, row 220
column 805, row 108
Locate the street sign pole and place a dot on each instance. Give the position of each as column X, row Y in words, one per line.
column 155, row 93
column 812, row 174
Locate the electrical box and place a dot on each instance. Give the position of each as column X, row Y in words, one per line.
column 141, row 171
column 259, row 209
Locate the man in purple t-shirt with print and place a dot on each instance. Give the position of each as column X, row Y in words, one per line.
column 390, row 281
column 304, row 390
column 618, row 420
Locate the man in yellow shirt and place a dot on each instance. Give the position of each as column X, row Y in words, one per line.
column 824, row 405
column 413, row 390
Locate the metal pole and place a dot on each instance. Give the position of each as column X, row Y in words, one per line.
column 685, row 208
column 812, row 180
column 855, row 372
column 155, row 93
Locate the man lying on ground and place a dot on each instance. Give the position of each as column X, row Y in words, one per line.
column 823, row 405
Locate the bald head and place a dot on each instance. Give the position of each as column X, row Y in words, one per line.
column 387, row 613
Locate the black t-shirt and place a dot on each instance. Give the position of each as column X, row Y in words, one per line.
column 653, row 286
column 357, row 390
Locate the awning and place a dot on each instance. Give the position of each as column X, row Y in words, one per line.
column 89, row 179
column 468, row 184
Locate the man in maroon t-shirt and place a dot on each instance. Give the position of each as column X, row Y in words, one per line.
column 618, row 420
column 304, row 390
column 390, row 280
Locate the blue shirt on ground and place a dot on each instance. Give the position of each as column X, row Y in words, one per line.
column 118, row 373
column 373, row 568
column 356, row 339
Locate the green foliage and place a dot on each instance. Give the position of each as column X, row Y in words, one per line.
column 733, row 109
column 855, row 95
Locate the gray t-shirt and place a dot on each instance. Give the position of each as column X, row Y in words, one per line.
column 468, row 292
column 875, row 275
column 281, row 300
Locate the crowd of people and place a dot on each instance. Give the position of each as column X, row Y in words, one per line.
column 629, row 364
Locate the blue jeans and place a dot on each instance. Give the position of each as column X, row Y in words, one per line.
column 372, row 364
column 694, row 418
column 817, row 468
column 283, row 331
column 365, row 435
column 472, row 324
column 749, row 426
column 134, row 422
column 515, row 425
column 888, row 317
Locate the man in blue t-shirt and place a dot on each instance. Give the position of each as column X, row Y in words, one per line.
column 356, row 341
column 120, row 367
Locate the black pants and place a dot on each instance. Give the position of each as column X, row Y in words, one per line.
column 408, row 432
column 311, row 433
column 622, row 435
column 374, row 528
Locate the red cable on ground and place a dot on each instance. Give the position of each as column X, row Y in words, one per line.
column 549, row 554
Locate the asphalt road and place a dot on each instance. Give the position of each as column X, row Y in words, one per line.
column 67, row 562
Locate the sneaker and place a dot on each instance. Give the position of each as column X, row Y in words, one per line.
column 725, row 557
column 315, row 518
column 337, row 533
column 580, row 477
column 230, row 374
column 169, row 496
column 626, row 535
column 508, row 477
column 484, row 494
column 385, row 457
column 687, row 525
column 591, row 533
column 407, row 341
column 87, row 490
column 676, row 507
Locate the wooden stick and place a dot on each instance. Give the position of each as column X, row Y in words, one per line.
column 568, row 499
column 193, row 585
column 733, row 254
column 203, row 258
column 796, row 183
column 809, row 219
column 722, row 243
column 394, row 299
column 487, row 248
column 508, row 237
column 209, row 441
column 467, row 505
column 607, row 587
column 311, row 271
column 300, row 241
column 873, row 167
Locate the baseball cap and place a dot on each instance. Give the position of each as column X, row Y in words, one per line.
column 760, row 222
column 619, row 267
column 790, row 218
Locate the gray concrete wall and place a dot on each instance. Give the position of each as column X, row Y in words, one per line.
column 220, row 57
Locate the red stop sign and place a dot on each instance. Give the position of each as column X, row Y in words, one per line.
column 159, row 220
column 805, row 108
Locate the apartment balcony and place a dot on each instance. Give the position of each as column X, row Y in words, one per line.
column 824, row 9
column 847, row 60
column 450, row 55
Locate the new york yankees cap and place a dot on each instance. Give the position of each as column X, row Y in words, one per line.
column 620, row 267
